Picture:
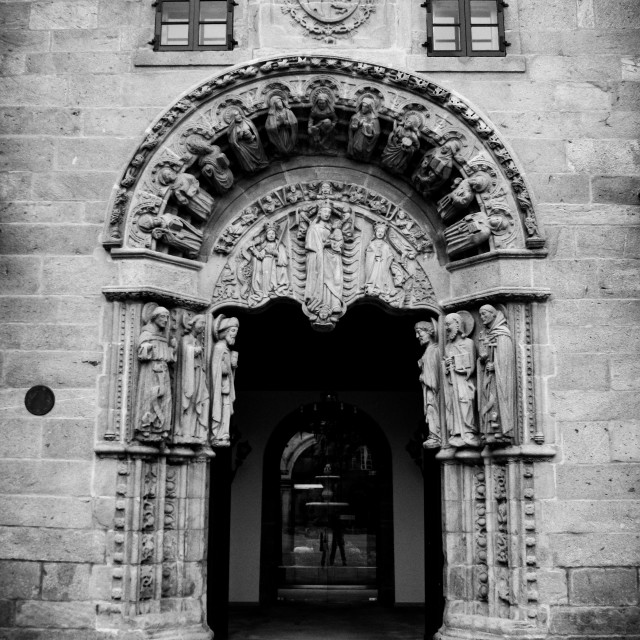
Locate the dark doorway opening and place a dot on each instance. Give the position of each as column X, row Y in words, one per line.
column 371, row 351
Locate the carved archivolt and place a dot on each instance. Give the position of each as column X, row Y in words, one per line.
column 184, row 175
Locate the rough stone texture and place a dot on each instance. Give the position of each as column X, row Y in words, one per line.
column 74, row 106
column 611, row 586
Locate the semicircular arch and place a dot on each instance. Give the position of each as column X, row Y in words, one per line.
column 239, row 172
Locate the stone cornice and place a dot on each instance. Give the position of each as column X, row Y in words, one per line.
column 141, row 254
column 104, row 449
column 498, row 294
column 155, row 294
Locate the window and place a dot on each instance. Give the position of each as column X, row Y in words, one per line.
column 465, row 28
column 194, row 25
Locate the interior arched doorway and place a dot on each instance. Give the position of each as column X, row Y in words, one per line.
column 327, row 224
column 327, row 514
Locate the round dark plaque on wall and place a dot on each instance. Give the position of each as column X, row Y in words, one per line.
column 39, row 400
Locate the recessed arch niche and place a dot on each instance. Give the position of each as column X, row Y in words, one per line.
column 437, row 198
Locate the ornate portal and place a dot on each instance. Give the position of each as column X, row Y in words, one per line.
column 327, row 182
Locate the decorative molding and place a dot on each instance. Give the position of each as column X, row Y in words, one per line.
column 106, row 450
column 155, row 294
column 497, row 294
column 500, row 254
column 524, row 451
column 157, row 256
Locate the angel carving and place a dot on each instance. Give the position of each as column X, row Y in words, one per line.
column 269, row 262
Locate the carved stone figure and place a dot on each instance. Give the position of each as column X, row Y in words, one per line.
column 223, row 365
column 173, row 231
column 462, row 196
column 213, row 163
column 153, row 398
column 472, row 231
column 281, row 126
column 459, row 366
column 364, row 131
column 324, row 242
column 322, row 123
column 269, row 276
column 436, row 167
column 403, row 142
column 378, row 262
column 429, row 364
column 192, row 410
column 496, row 377
column 185, row 188
column 245, row 142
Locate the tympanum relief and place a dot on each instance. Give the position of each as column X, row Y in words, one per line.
column 325, row 244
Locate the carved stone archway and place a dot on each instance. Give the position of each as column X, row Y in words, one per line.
column 326, row 181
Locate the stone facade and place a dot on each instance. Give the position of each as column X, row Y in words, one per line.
column 80, row 91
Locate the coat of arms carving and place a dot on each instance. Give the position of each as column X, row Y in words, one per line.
column 328, row 19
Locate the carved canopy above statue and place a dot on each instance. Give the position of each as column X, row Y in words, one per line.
column 324, row 180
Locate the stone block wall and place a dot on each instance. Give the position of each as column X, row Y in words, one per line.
column 79, row 87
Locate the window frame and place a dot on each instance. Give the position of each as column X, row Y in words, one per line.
column 194, row 28
column 464, row 9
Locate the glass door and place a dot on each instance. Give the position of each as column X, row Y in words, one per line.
column 330, row 516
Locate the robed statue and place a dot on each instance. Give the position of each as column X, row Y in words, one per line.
column 322, row 124
column 496, row 377
column 223, row 365
column 245, row 142
column 364, row 131
column 378, row 261
column 429, row 363
column 192, row 402
column 324, row 245
column 281, row 126
column 436, row 167
column 269, row 265
column 402, row 143
column 213, row 163
column 156, row 351
column 459, row 366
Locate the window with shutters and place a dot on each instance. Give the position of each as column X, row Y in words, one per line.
column 465, row 28
column 194, row 25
